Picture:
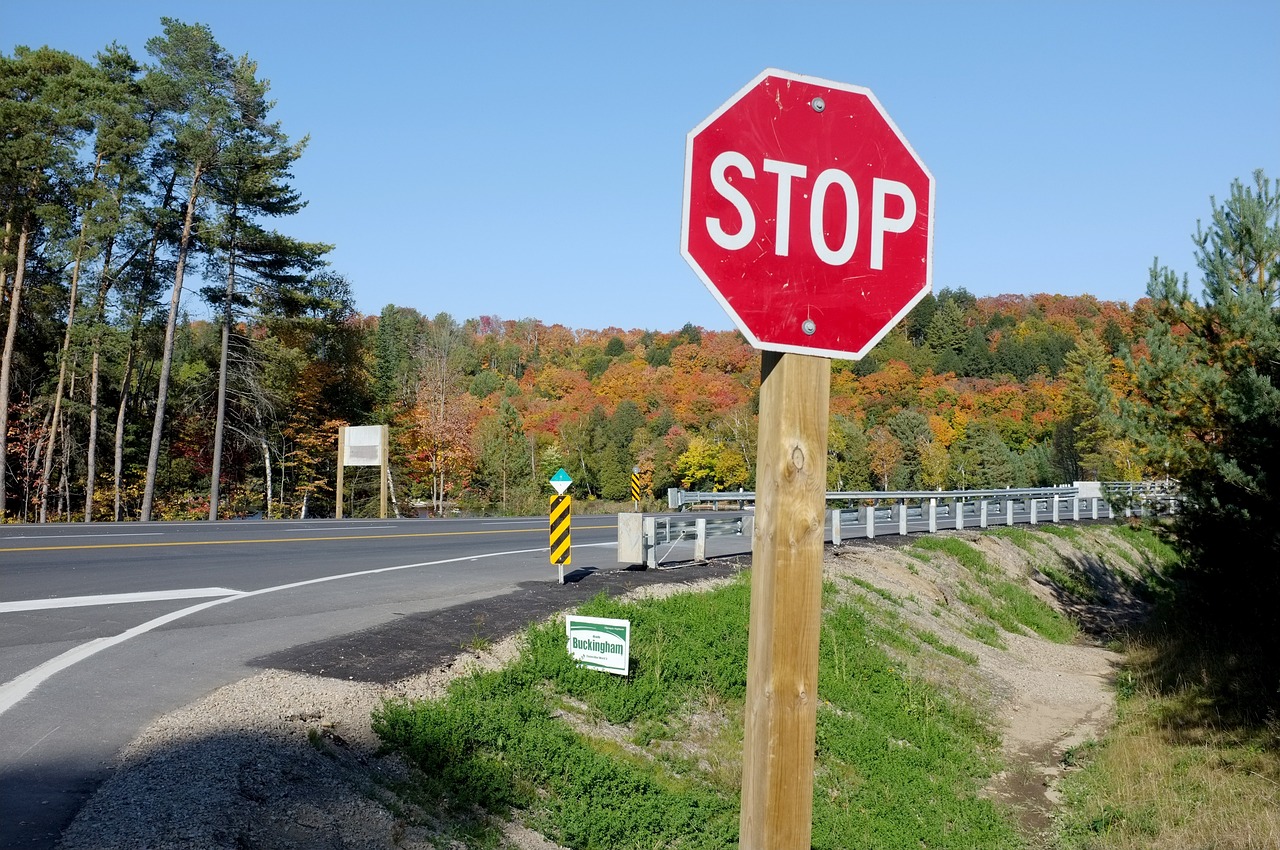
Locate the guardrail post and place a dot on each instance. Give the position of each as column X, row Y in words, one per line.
column 1055, row 507
column 700, row 541
column 651, row 541
column 902, row 517
column 1008, row 511
column 1075, row 509
column 1094, row 506
column 835, row 527
column 982, row 513
column 871, row 520
column 1034, row 503
column 958, row 507
column 933, row 514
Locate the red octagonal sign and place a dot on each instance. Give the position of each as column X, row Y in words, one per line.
column 807, row 215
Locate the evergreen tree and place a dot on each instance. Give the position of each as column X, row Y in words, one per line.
column 43, row 121
column 1211, row 405
column 203, row 120
column 251, row 180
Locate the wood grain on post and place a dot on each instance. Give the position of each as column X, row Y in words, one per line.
column 384, row 469
column 786, row 603
column 342, row 460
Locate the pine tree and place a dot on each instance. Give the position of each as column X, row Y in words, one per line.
column 203, row 121
column 1210, row 392
column 250, row 182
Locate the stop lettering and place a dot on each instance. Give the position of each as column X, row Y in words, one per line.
column 807, row 215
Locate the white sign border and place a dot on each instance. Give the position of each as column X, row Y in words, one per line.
column 570, row 620
column 842, row 354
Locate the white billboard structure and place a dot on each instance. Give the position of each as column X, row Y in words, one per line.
column 363, row 445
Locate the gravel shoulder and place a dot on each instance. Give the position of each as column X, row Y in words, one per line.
column 286, row 758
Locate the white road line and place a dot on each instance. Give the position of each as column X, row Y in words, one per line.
column 68, row 536
column 13, row 691
column 114, row 599
column 344, row 530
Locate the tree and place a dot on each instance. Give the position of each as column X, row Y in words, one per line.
column 1088, row 440
column 911, row 428
column 202, row 122
column 982, row 460
column 947, row 331
column 42, row 121
column 250, row 181
column 884, row 454
column 125, row 128
column 708, row 465
column 1209, row 405
column 503, row 453
column 442, row 417
column 848, row 461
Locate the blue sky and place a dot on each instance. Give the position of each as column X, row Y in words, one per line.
column 526, row 160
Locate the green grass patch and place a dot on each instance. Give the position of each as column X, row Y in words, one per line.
column 1180, row 767
column 1009, row 605
column 898, row 765
column 878, row 591
column 1019, row 537
column 945, row 648
column 1070, row 580
column 1066, row 532
column 1160, row 555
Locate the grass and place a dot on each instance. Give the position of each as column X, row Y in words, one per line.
column 1193, row 759
column 1010, row 606
column 654, row 760
column 1178, row 769
column 596, row 761
column 1066, row 577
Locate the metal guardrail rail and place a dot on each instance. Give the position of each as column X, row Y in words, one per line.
column 869, row 513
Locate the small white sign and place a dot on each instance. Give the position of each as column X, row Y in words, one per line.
column 362, row 445
column 600, row 643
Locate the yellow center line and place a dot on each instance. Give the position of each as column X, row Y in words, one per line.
column 171, row 543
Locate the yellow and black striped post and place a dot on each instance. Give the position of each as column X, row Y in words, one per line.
column 635, row 489
column 561, row 519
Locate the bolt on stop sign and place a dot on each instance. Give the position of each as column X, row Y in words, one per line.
column 808, row 215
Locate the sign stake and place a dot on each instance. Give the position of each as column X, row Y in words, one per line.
column 786, row 603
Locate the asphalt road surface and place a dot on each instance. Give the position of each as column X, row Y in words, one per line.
column 105, row 627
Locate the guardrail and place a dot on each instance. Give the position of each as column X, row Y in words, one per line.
column 1117, row 493
column 869, row 513
column 640, row 535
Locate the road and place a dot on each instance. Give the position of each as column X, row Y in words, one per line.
column 103, row 628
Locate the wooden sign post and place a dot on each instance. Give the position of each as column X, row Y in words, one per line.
column 810, row 219
column 786, row 603
column 365, row 445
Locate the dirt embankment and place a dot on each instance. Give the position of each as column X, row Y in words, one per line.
column 286, row 759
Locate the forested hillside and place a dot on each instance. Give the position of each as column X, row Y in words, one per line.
column 171, row 351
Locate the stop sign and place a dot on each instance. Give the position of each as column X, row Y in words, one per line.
column 807, row 215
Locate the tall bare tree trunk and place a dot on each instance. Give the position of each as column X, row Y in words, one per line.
column 154, row 246
column 266, row 463
column 166, row 361
column 4, row 275
column 221, row 420
column 91, row 453
column 117, row 513
column 6, row 359
column 72, row 298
